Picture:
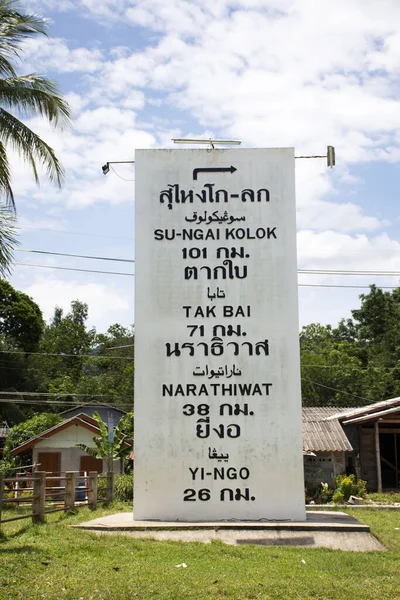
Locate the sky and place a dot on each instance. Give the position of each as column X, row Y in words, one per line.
column 272, row 73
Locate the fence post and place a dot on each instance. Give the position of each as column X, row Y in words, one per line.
column 92, row 489
column 39, row 491
column 110, row 486
column 70, row 484
column 1, row 494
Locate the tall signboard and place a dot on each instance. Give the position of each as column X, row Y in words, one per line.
column 217, row 377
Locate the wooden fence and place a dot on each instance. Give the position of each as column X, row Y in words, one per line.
column 41, row 493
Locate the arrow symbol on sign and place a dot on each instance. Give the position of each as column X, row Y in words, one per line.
column 230, row 169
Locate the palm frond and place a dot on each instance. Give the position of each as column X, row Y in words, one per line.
column 6, row 68
column 32, row 94
column 15, row 27
column 29, row 95
column 5, row 179
column 8, row 240
column 29, row 146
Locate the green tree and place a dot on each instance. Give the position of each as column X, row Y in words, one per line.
column 21, row 325
column 105, row 449
column 357, row 362
column 28, row 95
column 377, row 324
column 333, row 369
column 21, row 320
column 110, row 369
column 64, row 348
column 22, row 433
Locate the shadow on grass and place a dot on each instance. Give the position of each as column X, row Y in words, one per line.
column 4, row 537
column 20, row 550
column 288, row 541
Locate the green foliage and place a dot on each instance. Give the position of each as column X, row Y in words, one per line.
column 23, row 432
column 357, row 362
column 64, row 346
column 104, row 449
column 29, row 429
column 21, row 325
column 123, row 488
column 76, row 360
column 346, row 486
column 68, row 358
column 21, row 321
column 325, row 493
column 110, row 370
column 338, row 497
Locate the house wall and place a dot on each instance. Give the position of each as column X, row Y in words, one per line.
column 65, row 442
column 323, row 468
column 67, row 438
column 368, row 457
column 70, row 458
column 352, row 433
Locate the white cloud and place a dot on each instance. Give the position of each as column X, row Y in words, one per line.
column 236, row 70
column 25, row 224
column 323, row 249
column 339, row 251
column 269, row 72
column 106, row 303
column 320, row 215
column 55, row 55
column 100, row 135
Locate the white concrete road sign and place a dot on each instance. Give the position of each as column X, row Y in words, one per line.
column 217, row 377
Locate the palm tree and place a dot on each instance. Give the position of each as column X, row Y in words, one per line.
column 29, row 95
column 8, row 240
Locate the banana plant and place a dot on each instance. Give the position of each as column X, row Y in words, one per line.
column 104, row 449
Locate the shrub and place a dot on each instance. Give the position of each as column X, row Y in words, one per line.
column 326, row 493
column 346, row 486
column 123, row 487
column 338, row 497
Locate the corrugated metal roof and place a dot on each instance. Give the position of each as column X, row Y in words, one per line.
column 322, row 432
column 370, row 408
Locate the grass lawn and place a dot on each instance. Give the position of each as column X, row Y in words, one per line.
column 384, row 498
column 55, row 562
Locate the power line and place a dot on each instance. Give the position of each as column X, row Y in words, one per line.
column 50, row 394
column 334, row 389
column 358, row 287
column 68, row 355
column 352, row 367
column 111, row 237
column 348, row 272
column 117, row 174
column 62, row 403
column 71, row 269
column 124, row 260
column 118, row 347
column 300, row 271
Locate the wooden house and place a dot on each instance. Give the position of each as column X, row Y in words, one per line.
column 364, row 441
column 55, row 451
